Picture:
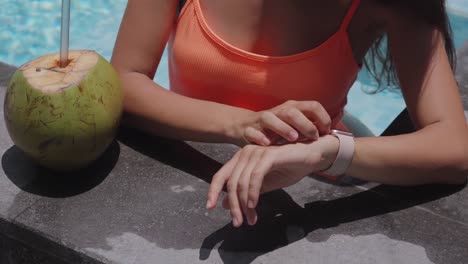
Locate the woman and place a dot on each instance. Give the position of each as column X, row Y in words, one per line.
column 272, row 77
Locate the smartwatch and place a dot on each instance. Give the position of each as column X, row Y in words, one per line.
column 344, row 156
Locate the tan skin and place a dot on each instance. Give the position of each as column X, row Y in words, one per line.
column 436, row 153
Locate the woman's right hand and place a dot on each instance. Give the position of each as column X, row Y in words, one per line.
column 291, row 121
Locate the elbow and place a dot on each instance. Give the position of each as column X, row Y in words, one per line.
column 455, row 177
column 461, row 169
column 456, row 168
column 127, row 80
column 120, row 69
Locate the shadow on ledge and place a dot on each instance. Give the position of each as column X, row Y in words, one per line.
column 32, row 178
column 282, row 221
column 174, row 153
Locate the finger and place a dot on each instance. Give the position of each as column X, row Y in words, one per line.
column 234, row 207
column 256, row 179
column 255, row 136
column 234, row 204
column 271, row 121
column 301, row 123
column 316, row 112
column 218, row 181
column 244, row 182
column 225, row 203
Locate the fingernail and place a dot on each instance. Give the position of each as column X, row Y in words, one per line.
column 293, row 135
column 251, row 205
column 266, row 141
column 208, row 204
column 253, row 220
column 235, row 222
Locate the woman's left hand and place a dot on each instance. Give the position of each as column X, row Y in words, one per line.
column 256, row 169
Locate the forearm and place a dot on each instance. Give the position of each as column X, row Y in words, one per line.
column 430, row 155
column 150, row 107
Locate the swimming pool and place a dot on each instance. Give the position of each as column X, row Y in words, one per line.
column 29, row 29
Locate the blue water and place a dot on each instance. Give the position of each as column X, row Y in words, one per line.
column 29, row 29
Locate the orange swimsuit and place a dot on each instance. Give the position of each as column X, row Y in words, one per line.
column 203, row 66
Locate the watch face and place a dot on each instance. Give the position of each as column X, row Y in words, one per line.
column 344, row 133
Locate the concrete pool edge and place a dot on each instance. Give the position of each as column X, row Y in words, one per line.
column 6, row 71
column 19, row 244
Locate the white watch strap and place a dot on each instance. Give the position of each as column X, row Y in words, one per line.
column 345, row 153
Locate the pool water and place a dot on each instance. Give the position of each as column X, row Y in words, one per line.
column 29, row 29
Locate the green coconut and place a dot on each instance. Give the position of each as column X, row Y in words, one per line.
column 64, row 118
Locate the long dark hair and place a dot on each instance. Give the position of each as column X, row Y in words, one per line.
column 379, row 61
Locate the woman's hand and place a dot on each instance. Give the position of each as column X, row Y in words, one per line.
column 291, row 121
column 256, row 169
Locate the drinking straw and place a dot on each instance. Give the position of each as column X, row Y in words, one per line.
column 64, row 33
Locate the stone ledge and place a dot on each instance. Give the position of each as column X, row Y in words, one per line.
column 6, row 71
column 20, row 245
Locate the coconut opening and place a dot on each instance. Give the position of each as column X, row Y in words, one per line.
column 45, row 73
column 57, row 62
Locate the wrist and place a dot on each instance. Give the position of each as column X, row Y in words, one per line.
column 235, row 127
column 329, row 150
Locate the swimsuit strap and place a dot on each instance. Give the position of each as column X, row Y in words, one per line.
column 349, row 15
